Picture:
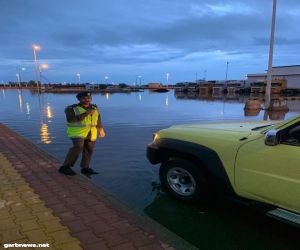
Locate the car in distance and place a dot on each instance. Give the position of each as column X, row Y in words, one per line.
column 257, row 163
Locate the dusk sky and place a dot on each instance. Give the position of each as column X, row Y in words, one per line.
column 122, row 39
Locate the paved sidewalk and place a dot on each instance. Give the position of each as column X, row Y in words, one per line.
column 24, row 217
column 39, row 205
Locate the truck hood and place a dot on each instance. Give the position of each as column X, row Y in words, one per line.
column 238, row 127
column 232, row 131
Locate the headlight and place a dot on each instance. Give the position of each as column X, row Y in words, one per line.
column 155, row 137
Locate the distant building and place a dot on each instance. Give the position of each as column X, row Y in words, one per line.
column 290, row 73
column 154, row 85
column 182, row 84
column 89, row 87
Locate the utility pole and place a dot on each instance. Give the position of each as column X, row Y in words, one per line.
column 78, row 77
column 226, row 77
column 167, row 76
column 18, row 79
column 271, row 51
column 35, row 49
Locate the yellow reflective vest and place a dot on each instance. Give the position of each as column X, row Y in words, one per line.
column 82, row 128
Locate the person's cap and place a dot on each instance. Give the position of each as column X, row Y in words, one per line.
column 83, row 94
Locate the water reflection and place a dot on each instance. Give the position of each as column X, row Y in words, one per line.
column 275, row 115
column 107, row 96
column 218, row 95
column 251, row 112
column 257, row 96
column 222, row 225
column 20, row 96
column 211, row 97
column 49, row 113
column 268, row 114
column 167, row 100
column 27, row 108
column 279, row 104
column 44, row 133
column 44, row 110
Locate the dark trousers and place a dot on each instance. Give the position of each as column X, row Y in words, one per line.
column 80, row 145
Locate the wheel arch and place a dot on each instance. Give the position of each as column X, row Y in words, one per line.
column 205, row 158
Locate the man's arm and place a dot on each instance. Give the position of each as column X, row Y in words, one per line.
column 99, row 124
column 100, row 127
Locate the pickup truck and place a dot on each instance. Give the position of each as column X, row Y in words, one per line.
column 257, row 163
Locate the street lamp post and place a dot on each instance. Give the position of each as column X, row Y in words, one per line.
column 270, row 64
column 41, row 68
column 78, row 77
column 106, row 78
column 226, row 77
column 35, row 49
column 18, row 75
column 18, row 79
column 167, row 76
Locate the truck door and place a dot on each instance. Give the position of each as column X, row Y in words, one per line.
column 271, row 173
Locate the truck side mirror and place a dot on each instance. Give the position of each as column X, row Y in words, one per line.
column 272, row 137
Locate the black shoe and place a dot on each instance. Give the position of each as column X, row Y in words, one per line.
column 88, row 171
column 66, row 170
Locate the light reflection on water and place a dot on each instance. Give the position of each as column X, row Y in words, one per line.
column 129, row 121
column 20, row 101
column 48, row 111
column 45, row 135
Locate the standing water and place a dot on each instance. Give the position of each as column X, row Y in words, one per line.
column 120, row 158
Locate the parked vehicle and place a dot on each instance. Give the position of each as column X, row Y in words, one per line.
column 253, row 162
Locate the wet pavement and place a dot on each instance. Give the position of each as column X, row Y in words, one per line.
column 39, row 205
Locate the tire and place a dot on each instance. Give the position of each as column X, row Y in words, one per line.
column 184, row 180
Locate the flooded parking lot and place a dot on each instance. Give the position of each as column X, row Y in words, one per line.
column 130, row 120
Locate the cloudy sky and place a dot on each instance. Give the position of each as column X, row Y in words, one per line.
column 122, row 39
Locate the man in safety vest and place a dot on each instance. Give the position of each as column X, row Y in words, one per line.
column 83, row 124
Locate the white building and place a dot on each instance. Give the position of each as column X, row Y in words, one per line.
column 290, row 73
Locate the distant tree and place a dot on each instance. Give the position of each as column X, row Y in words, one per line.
column 102, row 86
column 31, row 83
column 123, row 85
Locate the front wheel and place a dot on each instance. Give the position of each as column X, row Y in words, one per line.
column 183, row 180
